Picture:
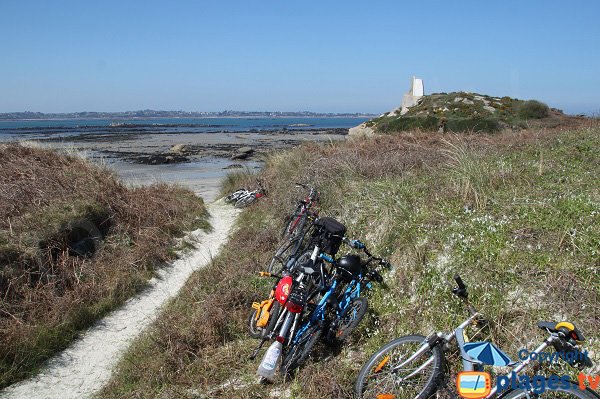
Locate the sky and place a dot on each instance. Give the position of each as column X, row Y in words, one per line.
column 266, row 55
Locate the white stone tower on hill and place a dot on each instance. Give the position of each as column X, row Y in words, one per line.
column 413, row 96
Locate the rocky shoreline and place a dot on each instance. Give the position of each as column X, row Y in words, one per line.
column 147, row 147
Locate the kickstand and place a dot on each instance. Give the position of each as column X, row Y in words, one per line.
column 255, row 352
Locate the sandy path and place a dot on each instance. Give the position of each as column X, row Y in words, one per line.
column 84, row 368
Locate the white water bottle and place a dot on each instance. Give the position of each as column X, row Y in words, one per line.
column 268, row 365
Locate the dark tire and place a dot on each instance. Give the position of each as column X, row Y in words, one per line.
column 298, row 353
column 572, row 391
column 260, row 332
column 295, row 225
column 342, row 326
column 279, row 260
column 377, row 378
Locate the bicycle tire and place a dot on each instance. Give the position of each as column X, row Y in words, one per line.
column 234, row 196
column 378, row 368
column 279, row 260
column 259, row 332
column 350, row 318
column 286, row 233
column 298, row 353
column 572, row 391
column 245, row 201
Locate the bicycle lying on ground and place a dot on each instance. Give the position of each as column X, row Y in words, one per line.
column 413, row 366
column 244, row 197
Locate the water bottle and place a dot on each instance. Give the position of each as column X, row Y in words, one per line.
column 268, row 365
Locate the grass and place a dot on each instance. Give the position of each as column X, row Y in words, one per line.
column 516, row 214
column 49, row 296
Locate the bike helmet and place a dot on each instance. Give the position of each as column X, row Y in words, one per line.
column 349, row 267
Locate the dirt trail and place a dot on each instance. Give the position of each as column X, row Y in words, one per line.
column 83, row 369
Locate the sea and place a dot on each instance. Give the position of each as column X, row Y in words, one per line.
column 36, row 129
column 202, row 177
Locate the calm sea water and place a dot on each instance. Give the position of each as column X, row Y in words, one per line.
column 66, row 127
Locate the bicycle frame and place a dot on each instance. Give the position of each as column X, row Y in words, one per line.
column 469, row 364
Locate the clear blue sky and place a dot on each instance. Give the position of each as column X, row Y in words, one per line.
column 334, row 56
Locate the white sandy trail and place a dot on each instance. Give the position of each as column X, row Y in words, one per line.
column 86, row 366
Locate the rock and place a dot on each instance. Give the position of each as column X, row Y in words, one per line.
column 178, row 148
column 240, row 155
column 361, row 130
column 245, row 150
column 488, row 108
column 467, row 101
column 234, row 166
column 159, row 159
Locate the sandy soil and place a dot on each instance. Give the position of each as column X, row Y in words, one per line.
column 85, row 367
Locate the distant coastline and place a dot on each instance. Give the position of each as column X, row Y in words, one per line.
column 150, row 114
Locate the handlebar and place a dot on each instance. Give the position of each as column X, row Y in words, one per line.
column 313, row 194
column 461, row 290
column 357, row 244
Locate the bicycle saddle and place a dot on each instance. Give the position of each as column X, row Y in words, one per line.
column 571, row 329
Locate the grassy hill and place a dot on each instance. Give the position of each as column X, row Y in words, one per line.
column 461, row 111
column 516, row 214
column 74, row 244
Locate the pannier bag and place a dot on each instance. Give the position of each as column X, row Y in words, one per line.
column 330, row 233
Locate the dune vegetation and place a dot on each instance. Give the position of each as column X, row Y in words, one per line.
column 516, row 214
column 462, row 111
column 74, row 244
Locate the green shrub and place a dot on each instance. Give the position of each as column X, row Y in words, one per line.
column 409, row 123
column 533, row 109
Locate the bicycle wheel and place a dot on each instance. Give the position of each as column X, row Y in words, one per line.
column 298, row 353
column 280, row 259
column 261, row 332
column 418, row 379
column 342, row 327
column 572, row 391
column 245, row 201
column 293, row 222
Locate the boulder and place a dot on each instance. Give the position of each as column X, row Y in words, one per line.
column 361, row 130
column 245, row 150
column 178, row 148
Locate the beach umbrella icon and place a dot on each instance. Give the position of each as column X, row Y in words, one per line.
column 487, row 353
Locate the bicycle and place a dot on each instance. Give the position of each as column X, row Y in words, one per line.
column 413, row 366
column 299, row 287
column 246, row 197
column 295, row 231
column 348, row 307
column 297, row 220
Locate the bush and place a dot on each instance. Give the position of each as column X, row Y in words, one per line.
column 533, row 109
column 429, row 123
column 47, row 295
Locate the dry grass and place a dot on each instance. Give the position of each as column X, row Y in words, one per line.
column 48, row 295
column 525, row 239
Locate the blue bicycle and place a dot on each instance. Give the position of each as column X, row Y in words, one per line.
column 347, row 306
column 350, row 306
